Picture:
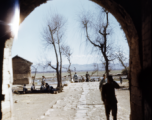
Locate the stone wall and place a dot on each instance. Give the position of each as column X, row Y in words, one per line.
column 21, row 79
column 26, row 7
column 7, row 104
column 146, row 75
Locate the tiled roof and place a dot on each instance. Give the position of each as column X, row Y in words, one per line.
column 21, row 58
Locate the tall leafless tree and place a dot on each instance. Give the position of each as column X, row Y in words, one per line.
column 121, row 57
column 97, row 33
column 66, row 50
column 53, row 37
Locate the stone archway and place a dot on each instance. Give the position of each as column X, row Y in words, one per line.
column 135, row 19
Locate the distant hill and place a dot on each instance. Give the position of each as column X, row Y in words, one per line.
column 84, row 67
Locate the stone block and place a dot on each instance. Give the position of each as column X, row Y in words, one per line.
column 6, row 76
column 6, row 81
column 147, row 111
column 136, row 112
column 6, row 52
column 136, row 99
column 6, row 116
column 136, row 91
column 6, row 106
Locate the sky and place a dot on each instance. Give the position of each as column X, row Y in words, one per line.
column 28, row 43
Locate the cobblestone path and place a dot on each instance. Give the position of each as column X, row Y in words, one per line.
column 83, row 102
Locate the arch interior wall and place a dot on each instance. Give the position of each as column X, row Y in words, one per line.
column 136, row 22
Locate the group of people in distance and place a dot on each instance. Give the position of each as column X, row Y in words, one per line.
column 75, row 77
column 44, row 86
column 108, row 97
column 25, row 89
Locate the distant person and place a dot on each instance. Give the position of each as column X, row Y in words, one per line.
column 109, row 98
column 24, row 88
column 120, row 79
column 103, row 80
column 87, row 77
column 75, row 77
column 49, row 88
column 32, row 87
column 43, row 80
column 82, row 78
column 42, row 87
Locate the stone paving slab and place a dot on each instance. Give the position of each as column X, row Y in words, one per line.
column 82, row 102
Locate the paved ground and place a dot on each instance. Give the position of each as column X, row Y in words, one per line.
column 82, row 101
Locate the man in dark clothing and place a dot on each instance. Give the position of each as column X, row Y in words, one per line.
column 101, row 82
column 49, row 88
column 24, row 89
column 109, row 98
column 32, row 87
column 87, row 77
column 42, row 87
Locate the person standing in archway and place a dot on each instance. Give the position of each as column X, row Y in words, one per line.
column 87, row 77
column 109, row 98
column 102, row 81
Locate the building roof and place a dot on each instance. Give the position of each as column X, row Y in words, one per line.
column 22, row 59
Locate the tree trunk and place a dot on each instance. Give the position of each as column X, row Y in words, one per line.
column 69, row 69
column 60, row 84
column 60, row 81
column 70, row 75
column 57, row 65
column 107, row 68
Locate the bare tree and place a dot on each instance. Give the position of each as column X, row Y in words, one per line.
column 35, row 68
column 95, row 69
column 53, row 35
column 122, row 59
column 100, row 32
column 66, row 51
column 104, row 65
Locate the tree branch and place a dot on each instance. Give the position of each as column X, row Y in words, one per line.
column 103, row 33
column 112, row 59
column 52, row 66
column 89, row 37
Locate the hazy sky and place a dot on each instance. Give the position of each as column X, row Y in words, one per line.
column 29, row 40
